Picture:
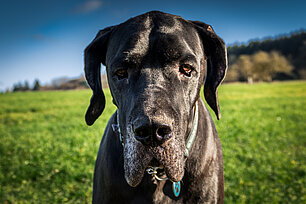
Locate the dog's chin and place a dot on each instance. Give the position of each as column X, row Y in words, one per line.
column 171, row 160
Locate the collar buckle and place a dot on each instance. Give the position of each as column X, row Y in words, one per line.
column 153, row 171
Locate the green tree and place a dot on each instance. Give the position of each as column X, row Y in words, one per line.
column 261, row 66
column 36, row 85
column 242, row 69
column 26, row 86
column 266, row 65
column 280, row 64
column 18, row 87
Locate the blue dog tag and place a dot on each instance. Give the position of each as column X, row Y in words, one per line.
column 176, row 187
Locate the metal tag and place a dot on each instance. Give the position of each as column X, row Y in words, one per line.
column 176, row 187
column 115, row 127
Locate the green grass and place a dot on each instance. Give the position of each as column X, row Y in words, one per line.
column 47, row 152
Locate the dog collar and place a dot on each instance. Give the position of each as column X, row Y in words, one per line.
column 194, row 130
column 116, row 128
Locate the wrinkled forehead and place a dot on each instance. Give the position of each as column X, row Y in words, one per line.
column 155, row 40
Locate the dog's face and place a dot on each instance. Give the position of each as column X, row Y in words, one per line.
column 156, row 64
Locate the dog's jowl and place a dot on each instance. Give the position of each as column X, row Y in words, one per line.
column 161, row 145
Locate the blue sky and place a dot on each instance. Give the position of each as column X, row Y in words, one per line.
column 45, row 39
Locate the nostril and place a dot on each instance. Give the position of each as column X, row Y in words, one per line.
column 142, row 133
column 163, row 132
column 146, row 133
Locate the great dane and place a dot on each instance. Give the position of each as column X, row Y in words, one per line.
column 161, row 145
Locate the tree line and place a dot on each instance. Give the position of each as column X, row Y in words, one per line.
column 26, row 87
column 279, row 58
column 60, row 83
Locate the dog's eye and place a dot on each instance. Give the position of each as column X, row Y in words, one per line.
column 186, row 69
column 121, row 74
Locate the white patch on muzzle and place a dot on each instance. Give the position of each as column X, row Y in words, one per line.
column 136, row 159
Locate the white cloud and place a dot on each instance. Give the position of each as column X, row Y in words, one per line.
column 88, row 6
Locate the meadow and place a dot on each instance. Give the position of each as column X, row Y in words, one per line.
column 47, row 152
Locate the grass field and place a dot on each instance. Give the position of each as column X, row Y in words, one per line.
column 47, row 152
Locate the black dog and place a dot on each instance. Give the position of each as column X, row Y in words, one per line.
column 161, row 146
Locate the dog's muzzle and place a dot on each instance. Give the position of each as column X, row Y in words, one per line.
column 143, row 133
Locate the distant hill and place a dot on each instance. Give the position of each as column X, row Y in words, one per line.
column 292, row 46
column 64, row 83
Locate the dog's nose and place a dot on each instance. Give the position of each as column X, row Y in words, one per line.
column 147, row 133
column 163, row 133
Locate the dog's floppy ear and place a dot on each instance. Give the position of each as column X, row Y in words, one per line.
column 94, row 55
column 215, row 50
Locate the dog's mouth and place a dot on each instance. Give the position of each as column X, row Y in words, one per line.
column 155, row 163
column 156, row 170
column 158, row 173
column 138, row 158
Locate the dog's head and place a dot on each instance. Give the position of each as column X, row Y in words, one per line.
column 156, row 64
